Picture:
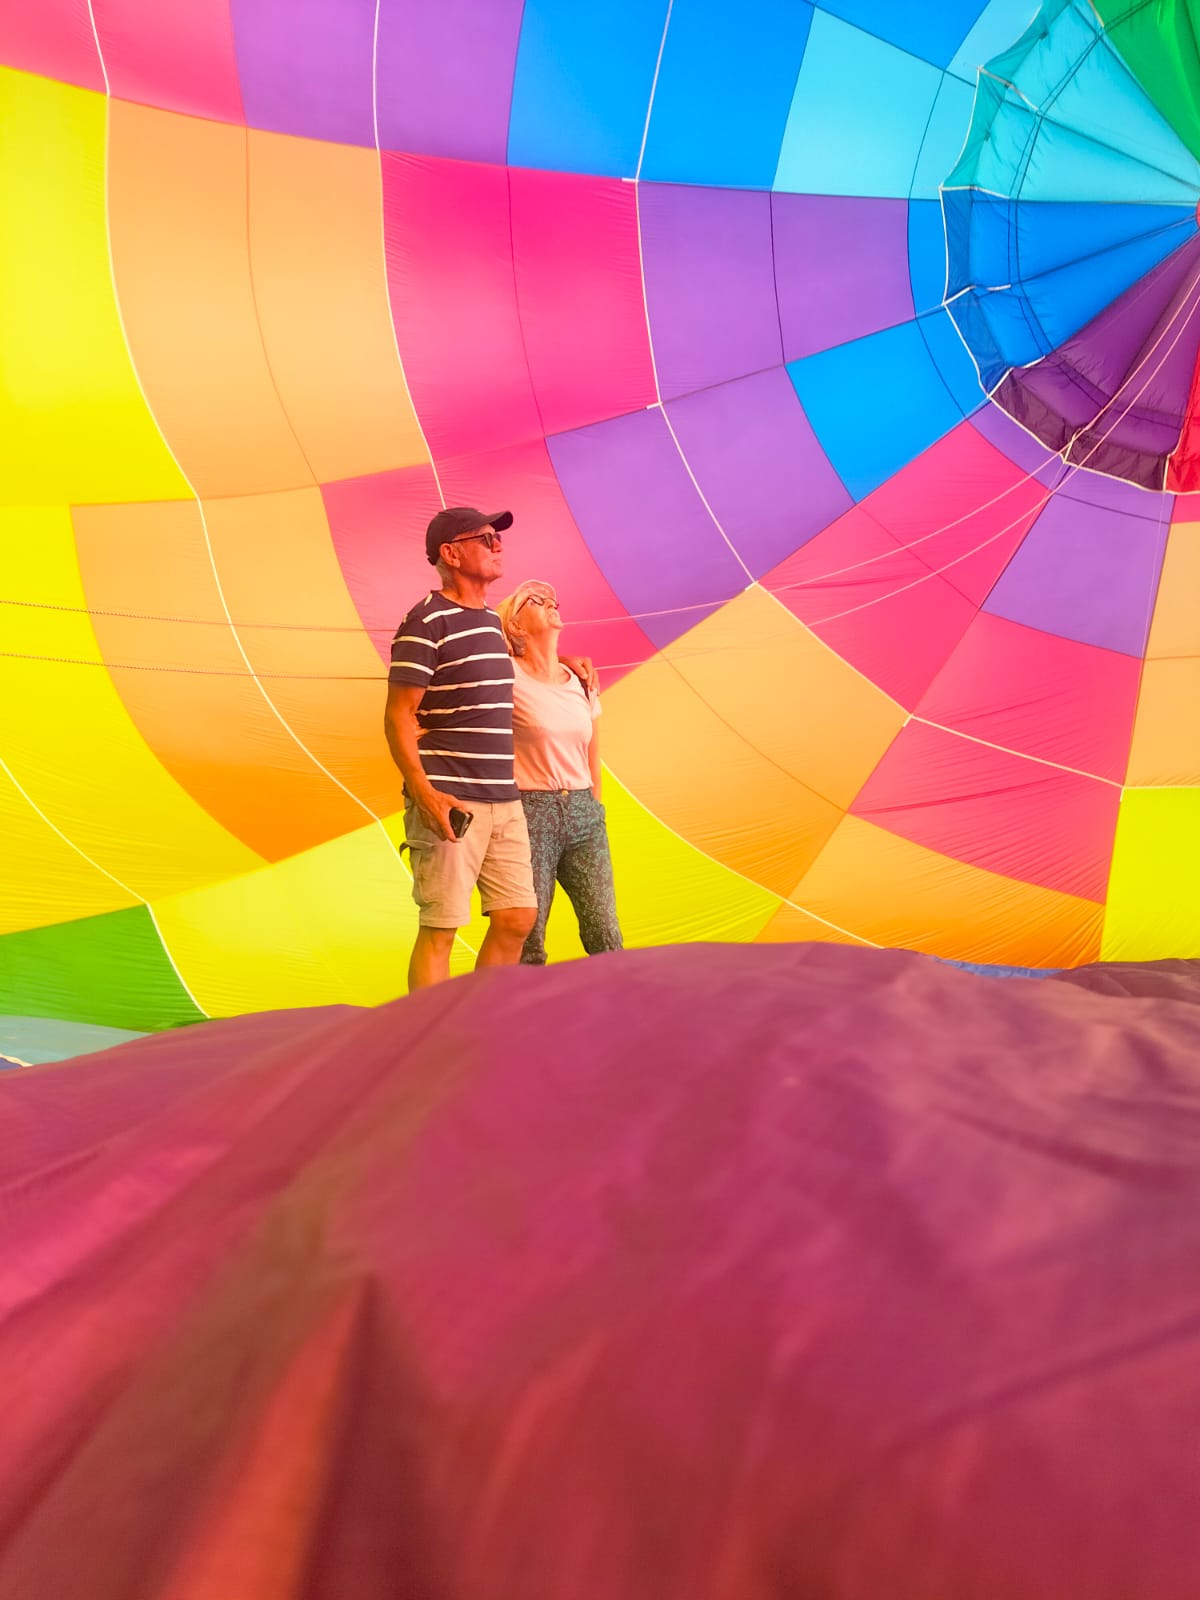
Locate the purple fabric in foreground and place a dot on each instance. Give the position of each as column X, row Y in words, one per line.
column 446, row 76
column 759, row 465
column 1086, row 573
column 704, row 1273
column 841, row 266
column 312, row 76
column 710, row 285
column 635, row 505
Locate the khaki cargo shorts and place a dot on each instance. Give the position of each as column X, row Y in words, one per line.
column 493, row 854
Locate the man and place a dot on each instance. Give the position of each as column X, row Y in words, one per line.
column 449, row 728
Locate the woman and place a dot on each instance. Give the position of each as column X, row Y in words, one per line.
column 558, row 774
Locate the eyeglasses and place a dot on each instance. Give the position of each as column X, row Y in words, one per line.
column 536, row 600
column 491, row 538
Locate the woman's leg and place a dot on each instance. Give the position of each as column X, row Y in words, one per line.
column 545, row 844
column 585, row 872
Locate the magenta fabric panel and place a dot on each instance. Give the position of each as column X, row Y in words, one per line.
column 455, row 311
column 1039, row 694
column 177, row 55
column 579, row 294
column 53, row 38
column 999, row 811
column 710, row 285
column 377, row 525
column 313, row 1279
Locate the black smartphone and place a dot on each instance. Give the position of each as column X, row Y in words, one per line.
column 460, row 820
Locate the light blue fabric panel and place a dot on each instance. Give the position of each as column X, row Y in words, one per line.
column 934, row 29
column 859, row 115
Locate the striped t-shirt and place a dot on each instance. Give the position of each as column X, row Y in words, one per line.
column 459, row 657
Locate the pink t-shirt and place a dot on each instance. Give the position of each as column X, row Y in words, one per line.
column 552, row 729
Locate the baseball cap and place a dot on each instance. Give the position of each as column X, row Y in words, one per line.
column 452, row 523
column 513, row 602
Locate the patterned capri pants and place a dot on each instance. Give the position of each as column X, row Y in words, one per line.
column 568, row 842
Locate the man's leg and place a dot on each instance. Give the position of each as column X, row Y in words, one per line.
column 430, row 959
column 506, row 890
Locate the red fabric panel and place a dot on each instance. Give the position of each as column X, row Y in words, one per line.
column 680, row 1274
column 999, row 811
column 178, row 55
column 53, row 38
column 1039, row 694
column 579, row 289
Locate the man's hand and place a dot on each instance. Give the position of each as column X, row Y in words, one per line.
column 584, row 669
column 435, row 809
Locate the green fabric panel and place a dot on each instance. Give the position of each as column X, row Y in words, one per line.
column 110, row 970
column 1158, row 41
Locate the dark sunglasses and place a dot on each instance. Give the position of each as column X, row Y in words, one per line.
column 536, row 600
column 491, row 538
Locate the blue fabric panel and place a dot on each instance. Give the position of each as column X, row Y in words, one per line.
column 875, row 404
column 926, row 253
column 724, row 91
column 582, row 86
column 953, row 361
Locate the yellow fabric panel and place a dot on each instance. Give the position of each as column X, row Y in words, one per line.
column 788, row 694
column 693, row 769
column 45, row 878
column 73, row 423
column 70, row 743
column 884, row 888
column 333, row 925
column 316, row 251
column 1175, row 630
column 1165, row 748
column 1154, row 888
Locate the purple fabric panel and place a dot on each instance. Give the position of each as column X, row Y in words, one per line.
column 1086, row 573
column 710, row 285
column 644, row 522
column 305, row 66
column 445, row 77
column 841, row 268
column 759, row 465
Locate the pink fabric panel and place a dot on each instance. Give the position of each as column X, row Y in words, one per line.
column 579, row 290
column 178, row 54
column 1039, row 694
column 52, row 38
column 544, row 542
column 454, row 303
column 378, row 524
column 995, row 810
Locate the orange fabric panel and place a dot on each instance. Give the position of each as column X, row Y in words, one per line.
column 316, row 241
column 187, row 685
column 789, row 695
column 1166, row 735
column 792, row 926
column 893, row 892
column 1175, row 630
column 179, row 226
